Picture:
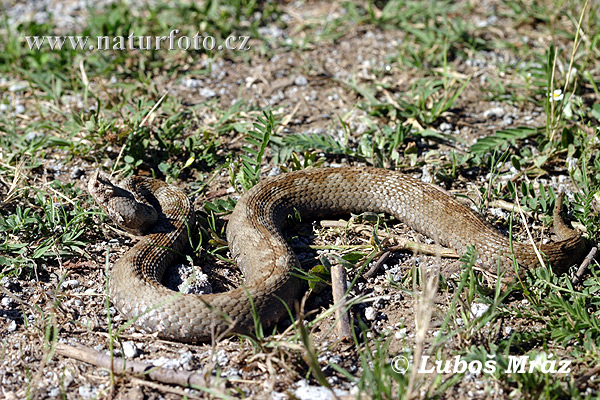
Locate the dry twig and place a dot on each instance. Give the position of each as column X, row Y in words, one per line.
column 339, row 288
column 583, row 268
column 119, row 365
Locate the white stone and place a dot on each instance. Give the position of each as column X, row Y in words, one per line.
column 130, row 350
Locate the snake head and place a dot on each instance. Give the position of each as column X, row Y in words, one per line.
column 100, row 188
column 128, row 212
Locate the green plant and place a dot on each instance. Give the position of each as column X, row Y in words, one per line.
column 248, row 168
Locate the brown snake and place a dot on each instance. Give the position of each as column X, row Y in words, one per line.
column 257, row 243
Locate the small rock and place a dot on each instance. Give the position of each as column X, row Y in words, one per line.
column 495, row 112
column 426, row 177
column 300, row 80
column 17, row 87
column 7, row 302
column 165, row 362
column 221, row 358
column 187, row 279
column 130, row 350
column 77, row 173
column 88, row 392
column 308, row 392
column 444, row 126
column 67, row 378
column 187, row 360
column 192, row 83
column 400, row 334
column 370, row 313
column 12, row 326
column 478, row 309
column 275, row 171
column 208, row 93
column 70, row 284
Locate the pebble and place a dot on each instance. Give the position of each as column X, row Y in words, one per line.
column 495, row 112
column 130, row 350
column 17, row 87
column 7, row 302
column 400, row 334
column 308, row 392
column 478, row 309
column 70, row 284
column 426, row 176
column 271, row 31
column 77, row 173
column 165, row 362
column 274, row 171
column 192, row 83
column 300, row 80
column 19, row 109
column 208, row 93
column 370, row 313
column 221, row 357
column 187, row 279
column 445, row 126
column 88, row 392
column 187, row 360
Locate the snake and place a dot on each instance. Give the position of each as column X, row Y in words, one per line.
column 163, row 216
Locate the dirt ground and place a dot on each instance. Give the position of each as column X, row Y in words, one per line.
column 63, row 300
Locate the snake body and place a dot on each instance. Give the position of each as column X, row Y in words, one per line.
column 254, row 233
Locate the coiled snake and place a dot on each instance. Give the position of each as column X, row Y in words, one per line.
column 164, row 214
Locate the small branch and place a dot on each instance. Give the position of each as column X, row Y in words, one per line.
column 339, row 288
column 426, row 249
column 583, row 268
column 587, row 375
column 401, row 244
column 506, row 206
column 384, row 257
column 120, row 366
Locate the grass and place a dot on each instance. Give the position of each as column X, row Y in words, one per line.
column 431, row 64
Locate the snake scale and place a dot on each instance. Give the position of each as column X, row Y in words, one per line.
column 165, row 214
